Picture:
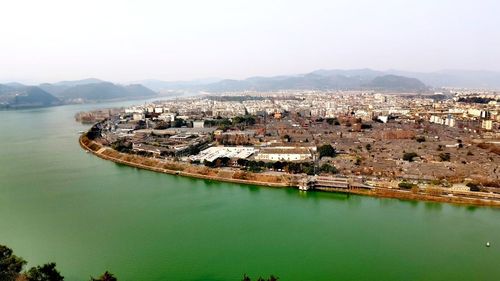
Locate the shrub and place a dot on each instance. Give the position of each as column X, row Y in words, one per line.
column 444, row 156
column 420, row 139
column 406, row 185
column 408, row 156
column 327, row 150
column 473, row 186
column 327, row 168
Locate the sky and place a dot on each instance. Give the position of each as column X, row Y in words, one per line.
column 130, row 40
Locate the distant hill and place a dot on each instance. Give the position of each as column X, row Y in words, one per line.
column 158, row 85
column 57, row 88
column 79, row 82
column 92, row 90
column 27, row 96
column 104, row 91
column 15, row 85
column 341, row 79
column 396, row 83
column 321, row 80
column 5, row 89
column 356, row 79
column 53, row 89
column 456, row 78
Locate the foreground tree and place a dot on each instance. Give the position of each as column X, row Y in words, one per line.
column 271, row 278
column 10, row 265
column 46, row 272
column 105, row 277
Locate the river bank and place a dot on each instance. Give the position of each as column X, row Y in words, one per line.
column 272, row 180
column 182, row 169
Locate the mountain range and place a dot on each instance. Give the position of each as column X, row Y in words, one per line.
column 16, row 95
column 339, row 79
column 93, row 90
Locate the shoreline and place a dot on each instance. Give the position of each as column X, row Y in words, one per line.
column 99, row 154
column 110, row 154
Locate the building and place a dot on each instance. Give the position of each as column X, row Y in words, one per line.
column 138, row 116
column 198, row 124
column 383, row 119
column 212, row 153
column 487, row 125
column 284, row 154
column 167, row 117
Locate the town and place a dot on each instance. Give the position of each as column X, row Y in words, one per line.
column 444, row 143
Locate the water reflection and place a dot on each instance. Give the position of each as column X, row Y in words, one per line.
column 433, row 206
column 471, row 208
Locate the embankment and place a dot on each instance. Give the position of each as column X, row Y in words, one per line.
column 183, row 169
column 271, row 180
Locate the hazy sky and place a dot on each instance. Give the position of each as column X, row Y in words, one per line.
column 124, row 40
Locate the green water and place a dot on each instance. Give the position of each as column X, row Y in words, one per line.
column 58, row 203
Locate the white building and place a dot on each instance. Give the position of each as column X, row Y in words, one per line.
column 138, row 116
column 384, row 119
column 487, row 125
column 284, row 154
column 167, row 117
column 198, row 124
column 212, row 153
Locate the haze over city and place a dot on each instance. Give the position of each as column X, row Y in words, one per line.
column 123, row 41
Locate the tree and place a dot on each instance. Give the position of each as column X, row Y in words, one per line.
column 122, row 145
column 368, row 147
column 358, row 161
column 278, row 165
column 46, row 272
column 10, row 265
column 94, row 132
column 408, row 156
column 271, row 278
column 473, row 186
column 406, row 185
column 365, row 126
column 242, row 162
column 332, row 121
column 327, row 168
column 106, row 276
column 308, row 169
column 327, row 150
column 445, row 156
column 420, row 139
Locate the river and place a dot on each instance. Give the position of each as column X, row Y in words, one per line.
column 60, row 204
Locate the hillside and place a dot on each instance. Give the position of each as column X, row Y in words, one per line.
column 28, row 96
column 320, row 81
column 396, row 83
column 104, row 91
column 342, row 79
column 356, row 79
